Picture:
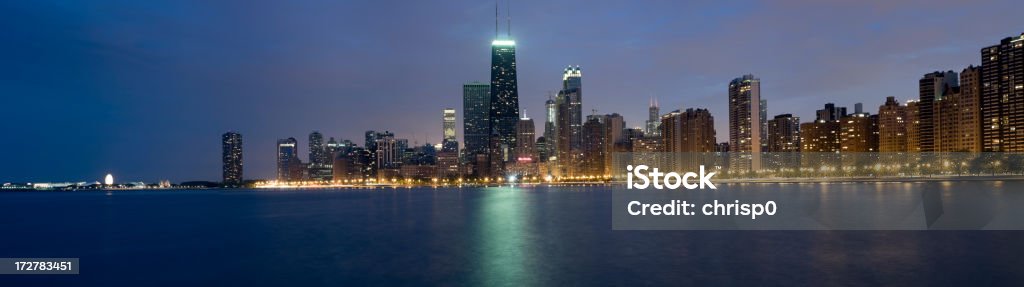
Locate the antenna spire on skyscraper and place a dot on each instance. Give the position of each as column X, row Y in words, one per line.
column 508, row 12
column 496, row 19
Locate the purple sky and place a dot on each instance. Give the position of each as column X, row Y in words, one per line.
column 143, row 89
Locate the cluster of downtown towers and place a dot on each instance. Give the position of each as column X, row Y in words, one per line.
column 981, row 109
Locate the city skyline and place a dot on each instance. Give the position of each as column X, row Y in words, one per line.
column 98, row 150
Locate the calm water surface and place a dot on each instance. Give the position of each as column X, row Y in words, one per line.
column 549, row 236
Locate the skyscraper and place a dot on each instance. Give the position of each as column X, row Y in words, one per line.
column 745, row 122
column 784, row 134
column 541, row 146
column 690, row 131
column 317, row 149
column 526, row 140
column 448, row 124
column 763, row 117
column 820, row 136
column 232, row 158
column 653, row 119
column 288, row 164
column 913, row 126
column 892, row 126
column 572, row 95
column 567, row 144
column 550, row 129
column 831, row 113
column 958, row 115
column 449, row 142
column 616, row 123
column 504, row 104
column 319, row 162
column 858, row 133
column 594, row 146
column 1002, row 95
column 476, row 106
column 932, row 87
column 572, row 78
column 388, row 152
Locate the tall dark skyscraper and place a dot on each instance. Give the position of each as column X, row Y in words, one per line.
column 232, row 158
column 572, row 96
column 288, row 163
column 653, row 127
column 476, row 107
column 319, row 161
column 1002, row 96
column 594, row 146
column 504, row 110
column 568, row 132
column 932, row 88
column 317, row 151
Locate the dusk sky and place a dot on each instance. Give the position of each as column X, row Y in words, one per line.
column 144, row 89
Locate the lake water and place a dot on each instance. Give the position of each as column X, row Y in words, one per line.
column 532, row 236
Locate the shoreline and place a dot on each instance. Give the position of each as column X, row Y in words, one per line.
column 842, row 180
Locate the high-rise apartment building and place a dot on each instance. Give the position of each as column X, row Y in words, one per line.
column 858, row 133
column 745, row 122
column 526, row 141
column 820, row 136
column 289, row 167
column 913, row 126
column 1002, row 95
column 892, row 126
column 784, row 134
column 691, row 131
column 319, row 161
column 957, row 125
column 932, row 87
column 476, row 106
column 231, row 158
column 595, row 146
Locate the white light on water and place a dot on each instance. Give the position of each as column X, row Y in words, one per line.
column 109, row 179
